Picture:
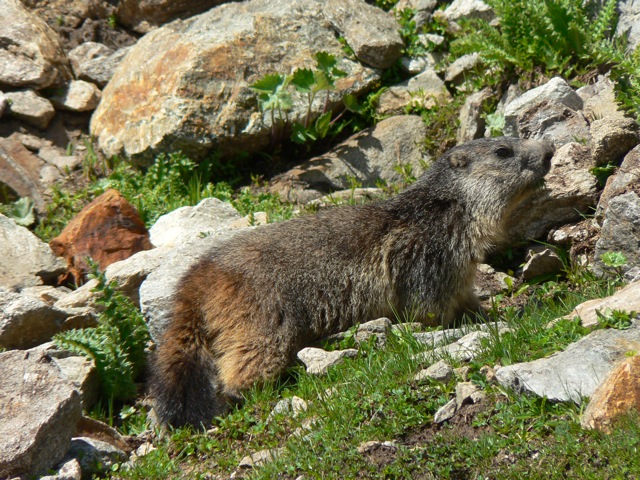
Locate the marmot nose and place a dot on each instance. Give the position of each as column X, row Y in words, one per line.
column 547, row 154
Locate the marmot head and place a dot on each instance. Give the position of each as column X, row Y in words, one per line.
column 500, row 171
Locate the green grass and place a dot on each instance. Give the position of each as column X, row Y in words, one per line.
column 374, row 397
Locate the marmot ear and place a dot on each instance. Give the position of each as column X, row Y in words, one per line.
column 458, row 160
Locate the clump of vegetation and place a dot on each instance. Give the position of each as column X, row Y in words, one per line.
column 550, row 37
column 117, row 345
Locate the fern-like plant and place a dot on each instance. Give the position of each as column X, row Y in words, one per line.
column 555, row 36
column 117, row 345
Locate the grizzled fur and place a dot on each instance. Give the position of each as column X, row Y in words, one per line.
column 244, row 312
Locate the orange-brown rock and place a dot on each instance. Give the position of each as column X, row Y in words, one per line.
column 617, row 394
column 107, row 230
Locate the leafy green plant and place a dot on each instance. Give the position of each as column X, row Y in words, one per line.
column 21, row 211
column 603, row 172
column 555, row 36
column 614, row 261
column 495, row 123
column 117, row 345
column 618, row 319
column 275, row 96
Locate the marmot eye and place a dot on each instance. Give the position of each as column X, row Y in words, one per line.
column 503, row 152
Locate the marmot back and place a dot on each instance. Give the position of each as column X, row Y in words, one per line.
column 243, row 313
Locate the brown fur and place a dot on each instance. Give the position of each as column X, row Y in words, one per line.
column 243, row 312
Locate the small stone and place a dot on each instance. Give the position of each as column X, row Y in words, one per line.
column 95, row 456
column 440, row 371
column 489, row 373
column 259, row 458
column 465, row 394
column 542, row 263
column 70, row 470
column 319, row 361
column 456, row 71
column 373, row 445
column 78, row 96
column 618, row 394
column 31, row 108
column 445, row 412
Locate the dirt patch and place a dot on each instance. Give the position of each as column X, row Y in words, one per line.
column 460, row 426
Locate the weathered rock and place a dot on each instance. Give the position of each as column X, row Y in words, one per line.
column 78, row 96
column 554, row 122
column 627, row 299
column 192, row 77
column 95, row 456
column 70, row 470
column 26, row 260
column 438, row 337
column 457, row 70
column 31, row 54
column 620, row 231
column 369, row 156
column 319, row 361
column 82, row 297
column 618, row 394
column 541, row 263
column 446, row 412
column 465, row 349
column 599, row 100
column 472, row 125
column 372, row 33
column 372, row 446
column 46, row 293
column 78, row 370
column 374, row 328
column 466, row 393
column 143, row 16
column 624, row 180
column 423, row 10
column 131, row 272
column 556, row 90
column 416, row 65
column 290, row 406
column 425, row 90
column 95, row 62
column 30, row 108
column 477, row 9
column 574, row 373
column 629, row 22
column 489, row 282
column 107, row 230
column 260, row 458
column 39, row 412
column 209, row 217
column 570, row 190
column 612, row 138
column 27, row 321
column 440, row 371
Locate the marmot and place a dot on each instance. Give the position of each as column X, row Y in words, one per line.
column 242, row 313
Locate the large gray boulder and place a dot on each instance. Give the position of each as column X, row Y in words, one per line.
column 629, row 22
column 620, row 231
column 39, row 412
column 574, row 373
column 26, row 321
column 95, row 62
column 31, row 54
column 144, row 15
column 570, row 191
column 186, row 85
column 26, row 260
column 556, row 90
